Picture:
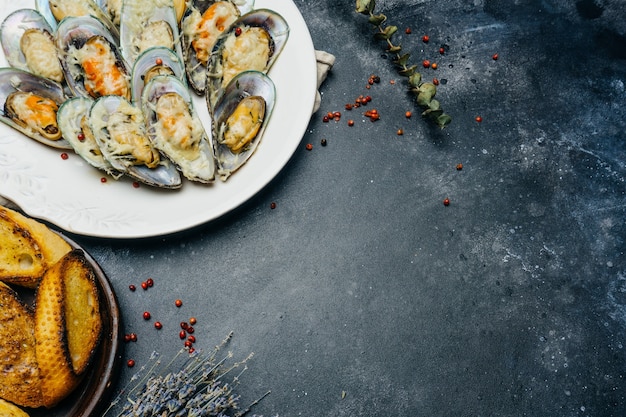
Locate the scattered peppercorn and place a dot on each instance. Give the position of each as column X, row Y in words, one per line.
column 408, row 114
column 442, row 50
column 159, row 61
column 309, row 147
column 130, row 363
column 132, row 287
column 136, row 184
column 81, row 136
column 184, row 325
column 434, row 65
column 238, row 31
column 133, row 337
column 425, row 38
column 158, row 325
column 146, row 315
column 407, row 31
column 325, row 119
column 323, row 142
column 446, row 202
column 192, row 339
column 178, row 303
column 350, row 122
column 144, row 285
column 64, row 156
column 272, row 205
column 150, row 282
column 349, row 106
column 103, row 180
column 192, row 320
column 400, row 132
column 459, row 167
column 435, row 81
column 182, row 334
column 126, row 338
column 426, row 63
column 479, row 119
column 495, row 57
column 190, row 329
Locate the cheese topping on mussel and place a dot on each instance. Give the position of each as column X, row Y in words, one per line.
column 34, row 112
column 114, row 7
column 176, row 126
column 63, row 8
column 40, row 53
column 157, row 33
column 249, row 49
column 244, row 123
column 102, row 72
column 203, row 30
column 127, row 138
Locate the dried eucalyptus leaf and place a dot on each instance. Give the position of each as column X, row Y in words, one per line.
column 377, row 19
column 428, row 88
column 424, row 98
column 365, row 6
column 386, row 33
column 407, row 71
column 415, row 80
column 394, row 49
column 444, row 120
column 402, row 60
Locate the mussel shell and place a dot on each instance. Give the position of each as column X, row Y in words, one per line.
column 165, row 175
column 147, row 62
column 196, row 70
column 12, row 30
column 95, row 6
column 246, row 84
column 70, row 118
column 271, row 21
column 200, row 167
column 136, row 14
column 74, row 32
column 12, row 80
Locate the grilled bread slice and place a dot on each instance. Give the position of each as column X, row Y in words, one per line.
column 19, row 375
column 68, row 325
column 11, row 410
column 27, row 248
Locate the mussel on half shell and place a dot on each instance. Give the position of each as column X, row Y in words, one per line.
column 175, row 129
column 240, row 118
column 30, row 104
column 90, row 58
column 28, row 44
column 252, row 43
column 120, row 131
column 54, row 11
column 151, row 63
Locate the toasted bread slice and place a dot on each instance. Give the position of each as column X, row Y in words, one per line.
column 19, row 379
column 11, row 410
column 27, row 248
column 82, row 311
column 68, row 325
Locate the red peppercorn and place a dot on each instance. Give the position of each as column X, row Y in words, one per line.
column 182, row 334
column 184, row 325
column 349, row 106
column 272, row 205
column 309, row 147
column 426, row 63
column 150, row 282
column 187, row 343
column 133, row 337
column 64, row 156
column 146, row 315
column 350, row 122
column 495, row 57
column 103, row 180
column 434, row 65
column 191, row 350
column 132, row 287
column 325, row 119
column 407, row 31
column 136, row 184
column 130, row 363
column 178, row 303
column 81, row 136
column 442, row 50
column 192, row 320
column 323, row 142
column 425, row 38
column 127, row 338
column 190, row 329
column 159, row 61
column 446, row 202
column 408, row 114
column 144, row 285
column 400, row 132
column 158, row 325
column 238, row 31
column 435, row 81
column 459, row 167
column 192, row 339
column 478, row 119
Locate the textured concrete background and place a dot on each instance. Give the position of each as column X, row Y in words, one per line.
column 361, row 294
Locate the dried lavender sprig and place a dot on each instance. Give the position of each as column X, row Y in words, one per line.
column 423, row 91
column 195, row 389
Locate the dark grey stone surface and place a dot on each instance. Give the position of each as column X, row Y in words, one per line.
column 361, row 294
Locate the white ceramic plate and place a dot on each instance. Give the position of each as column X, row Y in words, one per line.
column 69, row 193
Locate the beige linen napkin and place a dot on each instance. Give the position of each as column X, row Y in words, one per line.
column 325, row 62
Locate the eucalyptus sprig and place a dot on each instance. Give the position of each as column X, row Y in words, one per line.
column 424, row 91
